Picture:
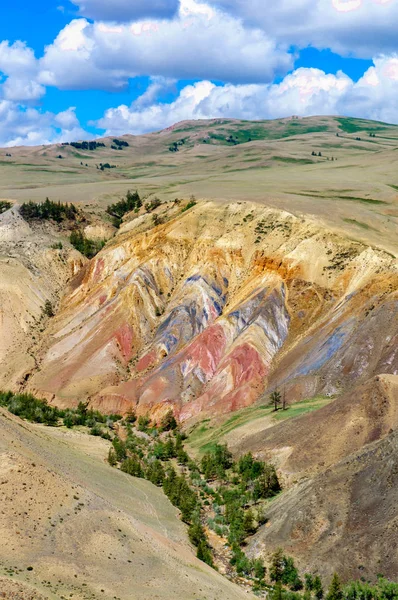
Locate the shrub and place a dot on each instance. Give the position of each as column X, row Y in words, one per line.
column 48, row 309
column 4, row 205
column 152, row 205
column 112, row 460
column 88, row 248
column 30, row 408
column 190, row 204
column 131, row 202
column 120, row 449
column 143, row 423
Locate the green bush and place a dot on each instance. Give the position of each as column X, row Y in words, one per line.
column 30, row 408
column 88, row 248
column 4, row 205
column 190, row 204
column 132, row 466
column 131, row 202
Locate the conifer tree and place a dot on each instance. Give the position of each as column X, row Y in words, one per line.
column 335, row 591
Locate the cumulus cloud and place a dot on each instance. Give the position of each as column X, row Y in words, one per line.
column 27, row 126
column 360, row 27
column 18, row 89
column 127, row 10
column 16, row 58
column 19, row 66
column 202, row 43
column 303, row 92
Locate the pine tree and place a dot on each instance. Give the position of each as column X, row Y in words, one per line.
column 335, row 591
column 318, row 588
column 309, row 582
column 277, row 566
column 277, row 594
column 111, row 457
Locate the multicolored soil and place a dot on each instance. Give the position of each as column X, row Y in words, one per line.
column 213, row 309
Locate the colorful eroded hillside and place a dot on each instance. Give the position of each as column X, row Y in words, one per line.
column 214, row 307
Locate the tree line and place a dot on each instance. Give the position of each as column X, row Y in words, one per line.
column 48, row 210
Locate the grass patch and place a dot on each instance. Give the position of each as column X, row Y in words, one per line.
column 349, row 198
column 364, row 200
column 297, row 161
column 204, row 436
column 351, row 125
column 358, row 224
column 302, row 408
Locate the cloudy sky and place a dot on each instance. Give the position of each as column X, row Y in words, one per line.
column 82, row 68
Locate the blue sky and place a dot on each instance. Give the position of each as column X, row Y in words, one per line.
column 70, row 70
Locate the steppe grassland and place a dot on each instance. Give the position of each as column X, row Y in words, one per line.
column 268, row 162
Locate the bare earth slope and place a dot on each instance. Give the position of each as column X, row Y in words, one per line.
column 343, row 520
column 31, row 272
column 339, row 467
column 307, row 445
column 87, row 529
column 284, row 276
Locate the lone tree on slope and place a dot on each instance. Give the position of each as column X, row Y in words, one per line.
column 276, row 399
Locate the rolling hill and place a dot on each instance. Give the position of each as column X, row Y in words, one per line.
column 270, row 162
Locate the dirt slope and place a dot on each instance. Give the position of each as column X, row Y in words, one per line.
column 31, row 272
column 343, row 520
column 87, row 529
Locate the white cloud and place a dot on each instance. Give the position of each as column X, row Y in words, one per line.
column 127, row 10
column 18, row 89
column 25, row 126
column 16, row 58
column 364, row 28
column 140, row 119
column 303, row 92
column 157, row 87
column 202, row 43
column 20, row 67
